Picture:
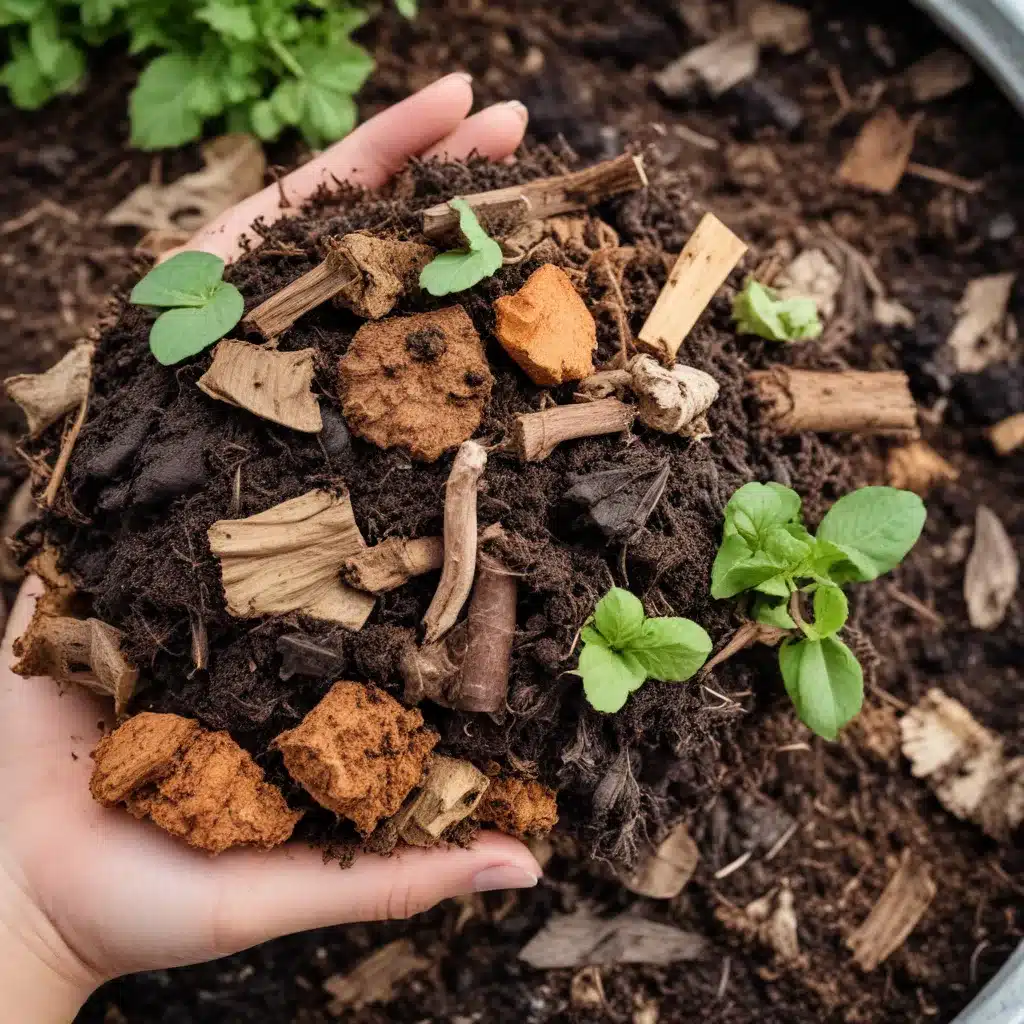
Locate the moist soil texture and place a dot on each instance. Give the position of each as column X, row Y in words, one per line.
column 157, row 460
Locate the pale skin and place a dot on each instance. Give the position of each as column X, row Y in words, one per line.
column 88, row 894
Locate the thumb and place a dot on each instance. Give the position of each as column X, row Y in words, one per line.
column 262, row 896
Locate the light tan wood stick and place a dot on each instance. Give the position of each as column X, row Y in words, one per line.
column 283, row 308
column 850, row 401
column 546, row 197
column 1007, row 435
column 702, row 268
column 391, row 563
column 538, row 434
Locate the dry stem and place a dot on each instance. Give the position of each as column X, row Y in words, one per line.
column 537, row 434
column 492, row 625
column 283, row 308
column 393, row 562
column 66, row 448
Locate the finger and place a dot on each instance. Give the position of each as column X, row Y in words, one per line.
column 494, row 133
column 368, row 156
column 262, row 896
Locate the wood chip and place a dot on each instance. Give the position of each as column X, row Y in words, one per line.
column 938, row 74
column 783, row 26
column 1007, row 435
column 918, row 467
column 449, row 794
column 896, row 914
column 273, row 385
column 663, row 871
column 880, row 154
column 538, row 434
column 393, row 562
column 718, row 66
column 45, row 397
column 374, row 979
column 977, row 339
column 288, row 559
column 993, row 572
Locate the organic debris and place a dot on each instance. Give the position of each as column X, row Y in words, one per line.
column 386, row 566
column 483, row 684
column 977, row 339
column 619, row 501
column 896, row 914
column 288, row 559
column 814, row 276
column 302, row 656
column 769, row 920
column 419, row 383
column 449, row 794
column 1008, row 434
column 45, row 397
column 520, row 808
column 880, row 153
column 993, row 572
column 373, row 980
column 918, row 467
column 434, row 671
column 378, row 271
column 783, row 26
column 538, row 434
column 547, row 329
column 198, row 785
column 717, row 67
column 358, row 753
column 939, row 74
column 586, row 990
column 276, row 386
column 964, row 763
column 21, row 509
column 663, row 871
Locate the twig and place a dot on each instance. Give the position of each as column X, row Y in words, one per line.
column 747, row 635
column 393, row 562
column 916, row 606
column 947, row 178
column 734, row 865
column 537, row 434
column 782, row 840
column 66, row 448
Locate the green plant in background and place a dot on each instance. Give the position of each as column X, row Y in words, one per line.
column 260, row 65
column 459, row 269
column 200, row 307
column 768, row 551
column 622, row 648
column 759, row 310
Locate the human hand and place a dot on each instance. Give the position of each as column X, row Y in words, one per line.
column 87, row 894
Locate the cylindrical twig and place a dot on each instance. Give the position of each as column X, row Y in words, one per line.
column 492, row 626
column 391, row 563
column 316, row 286
column 460, row 540
column 66, row 448
column 537, row 434
column 850, row 401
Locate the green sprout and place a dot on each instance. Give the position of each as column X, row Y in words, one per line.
column 759, row 310
column 459, row 269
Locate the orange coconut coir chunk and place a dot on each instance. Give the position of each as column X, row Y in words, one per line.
column 358, row 753
column 518, row 807
column 198, row 785
column 547, row 329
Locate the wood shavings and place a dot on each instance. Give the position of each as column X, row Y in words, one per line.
column 880, row 154
column 993, row 572
column 288, row 559
column 918, row 467
column 45, row 397
column 663, row 871
column 718, row 66
column 977, row 339
column 374, row 979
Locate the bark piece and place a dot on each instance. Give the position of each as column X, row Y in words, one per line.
column 358, row 753
column 483, row 683
column 460, row 541
column 993, row 572
column 849, row 401
column 449, row 794
column 373, row 980
column 1008, row 434
column 879, row 156
column 547, row 329
column 198, row 785
column 918, row 467
column 45, row 397
column 393, row 562
column 940, row 73
column 896, row 914
column 288, row 559
column 502, row 209
column 783, row 26
column 21, row 509
column 814, row 276
column 538, row 434
column 663, row 871
column 273, row 385
column 977, row 339
column 701, row 269
column 619, row 501
column 419, row 383
column 718, row 66
column 964, row 763
column 519, row 808
column 302, row 656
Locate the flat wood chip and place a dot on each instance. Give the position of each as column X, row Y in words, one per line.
column 374, row 978
column 664, row 871
column 938, row 74
column 45, row 397
column 717, row 66
column 288, row 559
column 880, row 153
column 276, row 386
column 977, row 339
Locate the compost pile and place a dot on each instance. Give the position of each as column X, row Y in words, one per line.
column 314, row 658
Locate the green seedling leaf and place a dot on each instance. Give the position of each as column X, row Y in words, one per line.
column 187, row 279
column 831, row 610
column 459, row 269
column 407, row 8
column 670, row 649
column 824, row 681
column 869, row 532
column 737, row 568
column 619, row 617
column 759, row 310
column 771, row 612
column 609, row 677
column 756, row 508
column 160, row 114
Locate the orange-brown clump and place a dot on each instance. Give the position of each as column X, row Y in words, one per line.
column 519, row 808
column 199, row 785
column 419, row 383
column 358, row 753
column 547, row 329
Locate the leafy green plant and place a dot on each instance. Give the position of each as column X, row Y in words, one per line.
column 199, row 307
column 768, row 551
column 759, row 310
column 459, row 269
column 258, row 65
column 622, row 648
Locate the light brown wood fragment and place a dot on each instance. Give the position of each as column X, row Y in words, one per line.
column 449, row 793
column 1008, row 435
column 896, row 914
column 783, row 26
column 701, row 269
column 393, row 562
column 938, row 74
column 918, row 467
column 374, row 979
column 848, row 401
column 879, row 156
column 977, row 338
column 993, row 571
column 538, row 434
column 718, row 66
column 273, row 385
column 483, row 684
column 662, row 873
column 67, row 446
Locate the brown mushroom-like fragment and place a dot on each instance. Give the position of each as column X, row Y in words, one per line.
column 518, row 807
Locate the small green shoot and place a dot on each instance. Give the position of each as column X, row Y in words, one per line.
column 459, row 269
column 200, row 307
column 768, row 551
column 759, row 310
column 622, row 648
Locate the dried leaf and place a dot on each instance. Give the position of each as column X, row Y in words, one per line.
column 288, row 559
column 918, row 467
column 619, row 501
column 993, row 571
column 663, row 871
column 976, row 339
column 45, row 397
column 814, row 276
column 373, row 979
column 276, row 386
column 234, row 169
column 880, row 153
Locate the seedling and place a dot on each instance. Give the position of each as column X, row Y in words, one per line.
column 622, row 649
column 200, row 307
column 767, row 550
column 459, row 269
column 759, row 310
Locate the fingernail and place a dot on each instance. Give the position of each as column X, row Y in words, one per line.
column 505, row 876
column 465, row 76
column 520, row 109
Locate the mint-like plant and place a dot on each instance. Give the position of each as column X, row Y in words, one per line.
column 759, row 310
column 768, row 551
column 622, row 648
column 459, row 269
column 200, row 306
